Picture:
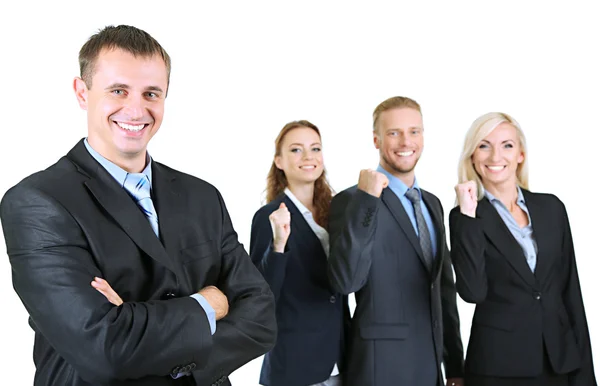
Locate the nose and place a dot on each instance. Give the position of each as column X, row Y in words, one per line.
column 495, row 155
column 134, row 107
column 307, row 155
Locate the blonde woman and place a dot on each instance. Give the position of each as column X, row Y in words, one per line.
column 513, row 256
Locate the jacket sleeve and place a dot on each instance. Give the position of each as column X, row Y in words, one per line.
column 467, row 249
column 249, row 329
column 52, row 268
column 271, row 264
column 573, row 301
column 453, row 347
column 352, row 224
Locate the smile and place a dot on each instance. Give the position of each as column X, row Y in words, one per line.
column 405, row 153
column 132, row 128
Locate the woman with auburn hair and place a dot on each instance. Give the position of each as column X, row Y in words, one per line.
column 513, row 256
column 289, row 244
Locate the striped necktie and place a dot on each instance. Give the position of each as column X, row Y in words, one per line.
column 138, row 186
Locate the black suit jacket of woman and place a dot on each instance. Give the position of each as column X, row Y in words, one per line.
column 310, row 315
column 519, row 312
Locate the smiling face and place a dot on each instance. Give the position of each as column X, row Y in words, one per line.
column 301, row 158
column 125, row 105
column 498, row 156
column 399, row 138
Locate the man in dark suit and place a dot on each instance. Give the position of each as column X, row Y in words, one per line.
column 388, row 245
column 162, row 239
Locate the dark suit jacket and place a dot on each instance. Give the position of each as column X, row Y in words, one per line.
column 406, row 321
column 73, row 221
column 518, row 312
column 310, row 315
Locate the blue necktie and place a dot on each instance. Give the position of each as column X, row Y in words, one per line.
column 138, row 186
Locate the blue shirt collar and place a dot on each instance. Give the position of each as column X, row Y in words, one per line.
column 396, row 184
column 118, row 174
column 520, row 198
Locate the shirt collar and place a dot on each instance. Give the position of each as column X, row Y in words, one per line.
column 396, row 184
column 115, row 171
column 297, row 202
column 491, row 197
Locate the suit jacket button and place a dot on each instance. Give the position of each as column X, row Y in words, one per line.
column 167, row 296
column 537, row 295
column 332, row 299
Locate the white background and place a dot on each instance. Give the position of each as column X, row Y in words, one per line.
column 242, row 70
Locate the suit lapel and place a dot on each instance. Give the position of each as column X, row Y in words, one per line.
column 542, row 228
column 119, row 205
column 503, row 240
column 438, row 223
column 397, row 210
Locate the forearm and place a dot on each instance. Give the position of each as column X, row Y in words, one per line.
column 467, row 253
column 352, row 228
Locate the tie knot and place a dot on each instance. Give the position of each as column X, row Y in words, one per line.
column 413, row 195
column 138, row 185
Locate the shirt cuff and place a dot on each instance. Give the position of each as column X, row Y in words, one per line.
column 210, row 312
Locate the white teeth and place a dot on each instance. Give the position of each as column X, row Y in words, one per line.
column 405, row 153
column 131, row 127
column 496, row 168
column 307, row 167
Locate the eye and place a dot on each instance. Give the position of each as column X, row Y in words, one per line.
column 295, row 150
column 393, row 133
column 483, row 146
column 316, row 149
column 508, row 146
column 152, row 95
column 118, row 92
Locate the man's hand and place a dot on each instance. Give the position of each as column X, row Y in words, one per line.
column 455, row 382
column 217, row 300
column 372, row 182
column 105, row 289
column 280, row 223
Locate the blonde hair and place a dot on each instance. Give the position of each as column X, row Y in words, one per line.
column 480, row 129
column 396, row 102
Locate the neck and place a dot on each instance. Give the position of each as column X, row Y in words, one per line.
column 130, row 163
column 408, row 178
column 505, row 192
column 305, row 193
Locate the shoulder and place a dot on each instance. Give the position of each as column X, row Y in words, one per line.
column 547, row 200
column 190, row 182
column 50, row 182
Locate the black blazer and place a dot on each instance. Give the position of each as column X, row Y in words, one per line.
column 310, row 315
column 406, row 320
column 73, row 221
column 518, row 312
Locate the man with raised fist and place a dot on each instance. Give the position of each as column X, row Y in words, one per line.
column 388, row 245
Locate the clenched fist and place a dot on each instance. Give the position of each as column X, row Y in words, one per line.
column 466, row 193
column 372, row 182
column 280, row 224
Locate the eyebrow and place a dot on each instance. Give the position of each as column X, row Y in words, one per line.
column 409, row 128
column 126, row 87
column 505, row 141
column 300, row 144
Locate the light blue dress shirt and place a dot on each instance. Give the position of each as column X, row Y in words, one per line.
column 120, row 175
column 524, row 236
column 399, row 188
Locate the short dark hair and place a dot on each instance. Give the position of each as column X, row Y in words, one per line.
column 124, row 37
